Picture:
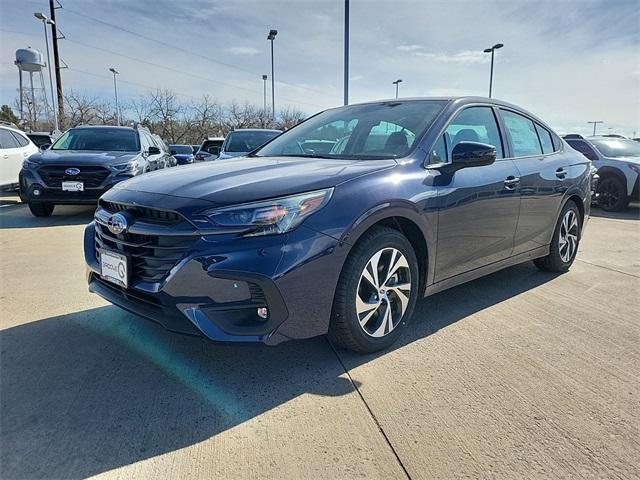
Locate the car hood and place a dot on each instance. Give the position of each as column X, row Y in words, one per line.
column 247, row 179
column 82, row 157
column 224, row 155
column 182, row 155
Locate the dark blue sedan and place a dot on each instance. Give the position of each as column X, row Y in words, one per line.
column 342, row 223
column 182, row 153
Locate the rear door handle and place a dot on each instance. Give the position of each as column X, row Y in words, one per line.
column 561, row 173
column 511, row 182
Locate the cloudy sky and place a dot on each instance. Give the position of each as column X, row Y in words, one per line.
column 567, row 61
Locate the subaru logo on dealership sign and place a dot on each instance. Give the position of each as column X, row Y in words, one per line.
column 117, row 223
column 72, row 171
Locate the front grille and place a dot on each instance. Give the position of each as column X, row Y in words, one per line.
column 149, row 215
column 152, row 256
column 91, row 176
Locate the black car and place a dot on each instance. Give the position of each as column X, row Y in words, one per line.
column 85, row 162
column 288, row 243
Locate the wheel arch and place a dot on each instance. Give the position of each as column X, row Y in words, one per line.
column 609, row 171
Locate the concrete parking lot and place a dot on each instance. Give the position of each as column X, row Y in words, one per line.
column 521, row 374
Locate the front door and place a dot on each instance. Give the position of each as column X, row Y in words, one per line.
column 478, row 207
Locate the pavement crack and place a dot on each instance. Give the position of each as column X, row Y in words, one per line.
column 374, row 418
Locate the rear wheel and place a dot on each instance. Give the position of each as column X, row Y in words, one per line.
column 41, row 209
column 376, row 292
column 564, row 244
column 612, row 194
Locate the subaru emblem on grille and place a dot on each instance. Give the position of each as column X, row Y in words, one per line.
column 117, row 223
column 72, row 171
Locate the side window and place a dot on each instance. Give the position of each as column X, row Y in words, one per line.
column 7, row 140
column 523, row 134
column 439, row 152
column 584, row 148
column 545, row 139
column 22, row 141
column 144, row 141
column 474, row 124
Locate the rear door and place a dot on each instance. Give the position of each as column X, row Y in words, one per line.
column 11, row 157
column 478, row 206
column 543, row 174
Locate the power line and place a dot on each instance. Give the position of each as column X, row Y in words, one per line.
column 184, row 50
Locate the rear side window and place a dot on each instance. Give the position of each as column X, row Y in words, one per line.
column 545, row 139
column 23, row 142
column 7, row 140
column 523, row 134
column 584, row 148
column 473, row 124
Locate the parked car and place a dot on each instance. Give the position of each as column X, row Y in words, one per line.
column 242, row 141
column 195, row 149
column 182, row 153
column 209, row 150
column 617, row 161
column 84, row 163
column 42, row 140
column 287, row 244
column 168, row 160
column 15, row 148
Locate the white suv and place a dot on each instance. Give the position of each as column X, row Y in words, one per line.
column 618, row 164
column 15, row 148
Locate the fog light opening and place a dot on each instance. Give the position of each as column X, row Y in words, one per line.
column 36, row 192
column 263, row 312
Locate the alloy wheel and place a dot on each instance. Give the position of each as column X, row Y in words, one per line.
column 609, row 194
column 568, row 238
column 383, row 292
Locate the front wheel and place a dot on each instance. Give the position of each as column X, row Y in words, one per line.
column 376, row 292
column 41, row 209
column 612, row 194
column 564, row 245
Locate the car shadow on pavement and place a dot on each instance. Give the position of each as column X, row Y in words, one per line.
column 91, row 391
column 18, row 216
column 632, row 212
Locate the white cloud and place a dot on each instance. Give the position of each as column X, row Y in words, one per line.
column 245, row 51
column 409, row 48
column 464, row 56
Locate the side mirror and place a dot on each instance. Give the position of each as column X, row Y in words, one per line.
column 45, row 146
column 472, row 154
column 153, row 151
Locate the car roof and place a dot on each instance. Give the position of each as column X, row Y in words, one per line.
column 120, row 127
column 257, row 130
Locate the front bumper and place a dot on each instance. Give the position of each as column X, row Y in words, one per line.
column 216, row 289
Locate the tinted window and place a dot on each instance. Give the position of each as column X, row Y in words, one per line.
column 523, row 134
column 99, row 139
column 7, row 140
column 180, row 149
column 370, row 131
column 245, row 141
column 584, row 148
column 617, row 147
column 474, row 124
column 545, row 139
column 23, row 142
column 40, row 140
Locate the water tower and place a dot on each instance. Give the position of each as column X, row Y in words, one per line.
column 31, row 61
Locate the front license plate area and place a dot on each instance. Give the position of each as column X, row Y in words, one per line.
column 73, row 186
column 114, row 267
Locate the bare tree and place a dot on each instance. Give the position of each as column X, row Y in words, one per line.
column 80, row 108
column 289, row 117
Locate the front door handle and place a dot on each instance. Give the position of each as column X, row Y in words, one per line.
column 561, row 173
column 511, row 182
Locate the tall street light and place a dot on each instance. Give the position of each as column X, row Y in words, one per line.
column 492, row 50
column 396, row 83
column 45, row 21
column 346, row 52
column 272, row 37
column 595, row 123
column 264, row 83
column 115, row 90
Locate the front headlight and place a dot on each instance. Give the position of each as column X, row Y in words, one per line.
column 129, row 168
column 30, row 164
column 270, row 217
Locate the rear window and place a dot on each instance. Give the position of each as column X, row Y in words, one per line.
column 523, row 134
column 240, row 141
column 180, row 149
column 99, row 139
column 584, row 148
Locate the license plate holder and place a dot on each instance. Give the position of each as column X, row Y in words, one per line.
column 73, row 186
column 114, row 267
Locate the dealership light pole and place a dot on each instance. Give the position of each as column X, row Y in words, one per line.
column 492, row 52
column 45, row 21
column 346, row 52
column 264, row 100
column 396, row 83
column 115, row 90
column 272, row 37
column 595, row 123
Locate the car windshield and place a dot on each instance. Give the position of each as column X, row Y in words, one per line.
column 99, row 139
column 372, row 131
column 245, row 141
column 181, row 149
column 616, row 147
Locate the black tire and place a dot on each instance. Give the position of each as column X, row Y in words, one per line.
column 554, row 262
column 41, row 209
column 345, row 329
column 612, row 194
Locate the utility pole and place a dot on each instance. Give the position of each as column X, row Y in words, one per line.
column 56, row 60
column 264, row 99
column 271, row 37
column 346, row 52
column 396, row 83
column 115, row 90
column 492, row 50
column 595, row 122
